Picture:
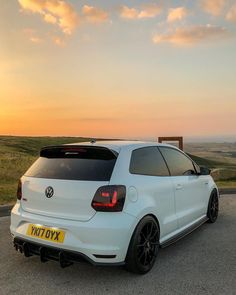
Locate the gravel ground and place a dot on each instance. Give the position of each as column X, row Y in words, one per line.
column 204, row 262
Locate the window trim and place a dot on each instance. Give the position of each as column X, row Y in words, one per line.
column 181, row 152
column 152, row 146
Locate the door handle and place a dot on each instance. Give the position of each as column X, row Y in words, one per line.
column 179, row 186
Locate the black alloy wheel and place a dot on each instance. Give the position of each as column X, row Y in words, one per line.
column 143, row 247
column 213, row 207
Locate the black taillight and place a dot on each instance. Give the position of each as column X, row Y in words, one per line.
column 109, row 198
column 19, row 190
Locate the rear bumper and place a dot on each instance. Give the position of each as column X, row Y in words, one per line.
column 64, row 257
column 102, row 240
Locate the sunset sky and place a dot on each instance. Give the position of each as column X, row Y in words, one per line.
column 134, row 69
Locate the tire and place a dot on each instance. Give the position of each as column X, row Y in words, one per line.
column 143, row 246
column 213, row 207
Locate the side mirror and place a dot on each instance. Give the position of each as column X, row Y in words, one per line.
column 205, row 171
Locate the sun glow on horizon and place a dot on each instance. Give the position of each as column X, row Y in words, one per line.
column 118, row 69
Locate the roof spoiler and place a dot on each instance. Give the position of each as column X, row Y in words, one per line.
column 59, row 151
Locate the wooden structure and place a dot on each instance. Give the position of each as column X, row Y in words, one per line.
column 179, row 139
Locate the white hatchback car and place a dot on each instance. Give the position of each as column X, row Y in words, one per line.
column 111, row 202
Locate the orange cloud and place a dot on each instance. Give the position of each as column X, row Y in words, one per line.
column 213, row 7
column 50, row 18
column 231, row 15
column 32, row 35
column 58, row 41
column 176, row 14
column 150, row 11
column 56, row 12
column 94, row 15
column 32, row 5
column 129, row 13
column 191, row 35
column 36, row 40
column 147, row 11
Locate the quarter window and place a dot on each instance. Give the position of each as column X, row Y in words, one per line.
column 178, row 163
column 148, row 161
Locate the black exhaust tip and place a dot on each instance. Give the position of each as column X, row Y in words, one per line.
column 63, row 261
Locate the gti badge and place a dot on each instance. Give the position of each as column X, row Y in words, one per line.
column 49, row 191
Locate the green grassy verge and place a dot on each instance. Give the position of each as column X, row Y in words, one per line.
column 210, row 163
column 226, row 184
column 11, row 169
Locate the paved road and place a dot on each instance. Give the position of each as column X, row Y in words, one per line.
column 201, row 263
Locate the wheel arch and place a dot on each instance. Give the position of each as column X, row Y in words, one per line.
column 139, row 220
column 214, row 190
column 129, row 251
column 151, row 213
column 154, row 217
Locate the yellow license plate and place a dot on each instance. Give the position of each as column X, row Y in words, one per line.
column 46, row 233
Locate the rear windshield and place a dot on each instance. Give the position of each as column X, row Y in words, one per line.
column 74, row 163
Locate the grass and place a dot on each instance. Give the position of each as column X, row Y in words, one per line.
column 18, row 153
column 8, row 193
column 226, row 183
column 30, row 146
column 224, row 153
column 211, row 163
column 12, row 166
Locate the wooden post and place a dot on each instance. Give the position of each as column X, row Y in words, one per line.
column 179, row 139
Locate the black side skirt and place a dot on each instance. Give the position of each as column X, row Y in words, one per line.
column 183, row 234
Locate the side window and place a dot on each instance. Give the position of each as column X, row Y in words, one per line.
column 177, row 162
column 148, row 161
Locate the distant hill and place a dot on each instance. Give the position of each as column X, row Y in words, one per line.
column 32, row 145
column 208, row 163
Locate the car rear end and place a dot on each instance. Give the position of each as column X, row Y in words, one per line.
column 68, row 211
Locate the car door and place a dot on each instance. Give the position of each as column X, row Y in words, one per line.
column 190, row 193
column 151, row 178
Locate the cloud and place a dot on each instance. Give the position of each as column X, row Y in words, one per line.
column 32, row 5
column 58, row 41
column 150, row 11
column 147, row 11
column 129, row 13
column 186, row 36
column 213, row 7
column 50, row 18
column 94, row 15
column 32, row 36
column 176, row 14
column 56, row 12
column 36, row 40
column 231, row 15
